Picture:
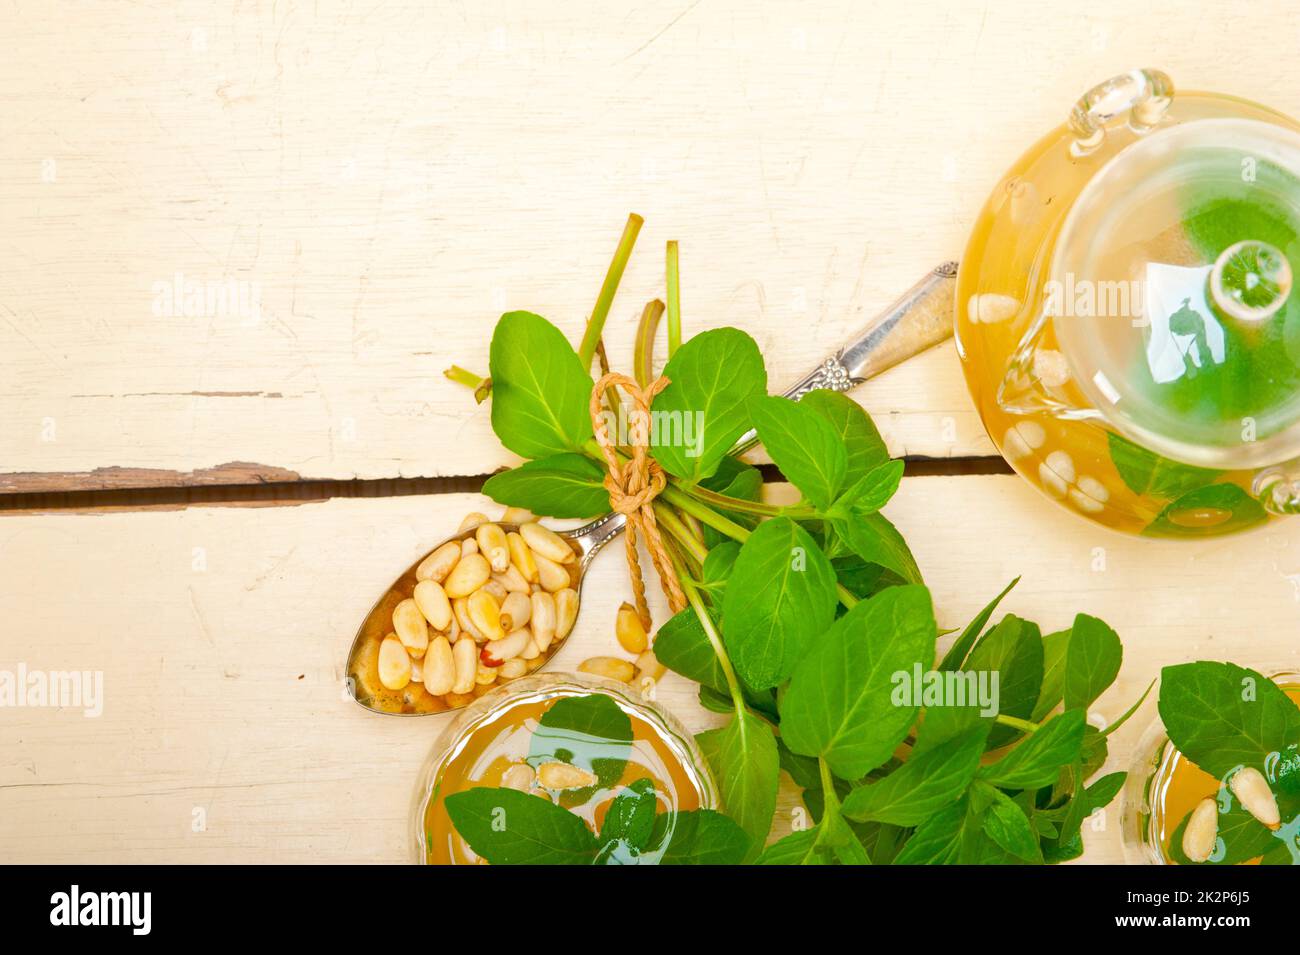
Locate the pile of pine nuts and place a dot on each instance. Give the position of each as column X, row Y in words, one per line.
column 485, row 608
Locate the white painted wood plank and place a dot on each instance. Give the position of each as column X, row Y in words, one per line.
column 222, row 632
column 390, row 177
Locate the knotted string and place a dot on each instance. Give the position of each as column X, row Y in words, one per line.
column 634, row 485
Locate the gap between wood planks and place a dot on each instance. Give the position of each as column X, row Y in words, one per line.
column 272, row 493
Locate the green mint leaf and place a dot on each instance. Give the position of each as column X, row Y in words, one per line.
column 508, row 827
column 698, row 837
column 938, row 840
column 781, row 597
column 540, row 391
column 1221, row 716
column 1102, row 792
column 733, row 478
column 1280, row 854
column 683, row 647
column 1056, row 851
column 804, row 446
column 1037, row 761
column 1079, row 807
column 717, row 569
column 839, row 704
column 956, row 835
column 1052, row 692
column 1092, row 661
column 861, row 440
column 942, row 724
column 704, row 410
column 1008, row 826
column 630, row 819
column 956, row 655
column 978, row 848
column 877, row 541
column 882, row 842
column 561, row 485
column 923, row 785
column 1243, row 838
column 1147, row 473
column 814, row 798
column 862, row 579
column 804, row 771
column 842, row 840
column 1246, row 511
column 591, row 732
column 799, row 848
column 715, row 701
column 1130, row 711
column 745, row 764
column 1094, row 751
column 870, row 492
column 1014, row 650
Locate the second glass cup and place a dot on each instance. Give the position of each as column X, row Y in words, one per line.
column 496, row 741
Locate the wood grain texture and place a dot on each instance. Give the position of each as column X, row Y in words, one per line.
column 222, row 633
column 389, row 177
column 379, row 181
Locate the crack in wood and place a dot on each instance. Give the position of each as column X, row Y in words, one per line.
column 122, row 478
column 261, row 486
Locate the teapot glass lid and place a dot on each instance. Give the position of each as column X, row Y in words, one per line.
column 1172, row 292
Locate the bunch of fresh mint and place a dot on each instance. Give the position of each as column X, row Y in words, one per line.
column 801, row 620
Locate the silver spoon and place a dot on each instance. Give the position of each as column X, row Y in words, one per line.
column 586, row 542
column 919, row 320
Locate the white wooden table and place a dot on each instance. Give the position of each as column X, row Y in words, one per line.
column 379, row 182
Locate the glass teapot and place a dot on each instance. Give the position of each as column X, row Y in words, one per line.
column 1126, row 313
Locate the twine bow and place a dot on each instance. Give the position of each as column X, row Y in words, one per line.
column 634, row 485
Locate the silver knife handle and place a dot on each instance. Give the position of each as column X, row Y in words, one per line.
column 920, row 319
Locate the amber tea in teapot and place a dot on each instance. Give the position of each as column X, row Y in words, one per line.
column 1126, row 312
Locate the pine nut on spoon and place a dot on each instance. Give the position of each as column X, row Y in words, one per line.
column 458, row 584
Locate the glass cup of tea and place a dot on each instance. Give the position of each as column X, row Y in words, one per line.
column 1164, row 787
column 502, row 738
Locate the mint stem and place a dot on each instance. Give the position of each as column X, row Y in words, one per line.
column 596, row 324
column 828, row 780
column 674, row 301
column 696, row 508
column 687, row 503
column 743, row 506
column 830, row 800
column 482, row 386
column 644, row 349
column 696, row 528
column 680, row 532
column 705, row 514
column 715, row 641
column 463, row 376
column 1016, row 723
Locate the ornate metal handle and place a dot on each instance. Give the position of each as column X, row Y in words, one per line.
column 919, row 320
column 590, row 538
